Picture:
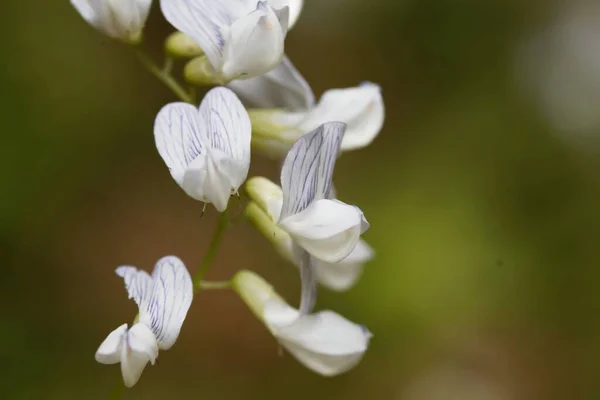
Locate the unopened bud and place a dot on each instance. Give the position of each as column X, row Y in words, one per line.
column 255, row 292
column 199, row 72
column 269, row 136
column 264, row 223
column 180, row 45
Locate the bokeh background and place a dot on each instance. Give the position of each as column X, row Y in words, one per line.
column 482, row 190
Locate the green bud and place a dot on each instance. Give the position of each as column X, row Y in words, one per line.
column 254, row 291
column 261, row 190
column 264, row 223
column 199, row 72
column 270, row 137
column 180, row 45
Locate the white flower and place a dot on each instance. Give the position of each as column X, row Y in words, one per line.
column 264, row 211
column 327, row 229
column 324, row 342
column 207, row 150
column 119, row 19
column 360, row 108
column 241, row 38
column 163, row 299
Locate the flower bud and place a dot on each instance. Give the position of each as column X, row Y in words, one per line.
column 264, row 223
column 255, row 292
column 200, row 72
column 270, row 137
column 180, row 45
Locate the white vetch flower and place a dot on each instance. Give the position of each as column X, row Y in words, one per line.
column 206, row 149
column 119, row 19
column 163, row 299
column 241, row 38
column 324, row 342
column 361, row 108
column 327, row 229
column 264, row 211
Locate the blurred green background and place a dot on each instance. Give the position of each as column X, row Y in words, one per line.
column 485, row 222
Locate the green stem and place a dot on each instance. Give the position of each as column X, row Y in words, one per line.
column 212, row 249
column 212, row 285
column 163, row 75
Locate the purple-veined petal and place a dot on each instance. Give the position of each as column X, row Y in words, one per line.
column 178, row 137
column 138, row 283
column 206, row 21
column 227, row 128
column 166, row 308
column 308, row 168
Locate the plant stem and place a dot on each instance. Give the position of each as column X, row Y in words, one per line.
column 163, row 75
column 212, row 249
column 208, row 285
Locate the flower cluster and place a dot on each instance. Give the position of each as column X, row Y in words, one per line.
column 238, row 45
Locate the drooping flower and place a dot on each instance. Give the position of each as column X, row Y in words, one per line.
column 206, row 149
column 119, row 19
column 241, row 38
column 163, row 299
column 324, row 342
column 360, row 108
column 282, row 107
column 263, row 212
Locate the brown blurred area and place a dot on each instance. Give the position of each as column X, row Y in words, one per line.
column 484, row 213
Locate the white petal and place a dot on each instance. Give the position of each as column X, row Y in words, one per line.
column 84, row 8
column 295, row 7
column 343, row 275
column 205, row 21
column 137, row 282
column 228, row 129
column 129, row 16
column 282, row 87
column 327, row 229
column 142, row 341
column 361, row 108
column 308, row 167
column 324, row 342
column 119, row 19
column 206, row 181
column 178, row 137
column 254, row 44
column 277, row 314
column 133, row 361
column 283, row 16
column 172, row 293
column 225, row 129
column 109, row 351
